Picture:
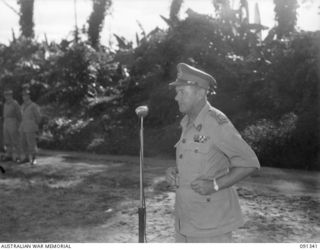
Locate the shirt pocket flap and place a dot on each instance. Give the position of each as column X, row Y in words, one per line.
column 204, row 147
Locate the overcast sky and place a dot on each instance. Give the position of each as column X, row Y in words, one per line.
column 55, row 18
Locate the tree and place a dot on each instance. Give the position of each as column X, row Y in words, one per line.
column 96, row 20
column 286, row 17
column 26, row 18
column 222, row 8
column 175, row 9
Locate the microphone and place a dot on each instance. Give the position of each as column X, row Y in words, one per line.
column 142, row 111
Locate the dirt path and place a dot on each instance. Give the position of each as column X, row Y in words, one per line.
column 73, row 197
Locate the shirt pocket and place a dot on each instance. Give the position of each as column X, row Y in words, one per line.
column 201, row 153
column 211, row 211
column 204, row 148
column 196, row 147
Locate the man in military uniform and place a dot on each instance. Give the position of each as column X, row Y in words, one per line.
column 11, row 122
column 211, row 158
column 29, row 127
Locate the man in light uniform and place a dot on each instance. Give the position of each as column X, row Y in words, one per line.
column 29, row 127
column 11, row 122
column 211, row 157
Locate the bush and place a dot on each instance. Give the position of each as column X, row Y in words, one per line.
column 275, row 142
column 68, row 134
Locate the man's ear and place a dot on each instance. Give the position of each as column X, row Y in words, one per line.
column 202, row 93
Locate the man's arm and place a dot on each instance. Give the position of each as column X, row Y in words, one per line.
column 235, row 175
column 204, row 186
column 243, row 161
column 18, row 112
column 171, row 175
column 37, row 114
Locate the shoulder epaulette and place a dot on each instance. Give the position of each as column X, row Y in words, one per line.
column 218, row 116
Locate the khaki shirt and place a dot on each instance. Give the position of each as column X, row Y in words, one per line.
column 30, row 117
column 11, row 114
column 209, row 146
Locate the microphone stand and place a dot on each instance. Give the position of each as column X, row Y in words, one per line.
column 142, row 207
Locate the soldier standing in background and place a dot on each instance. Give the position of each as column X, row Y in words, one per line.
column 29, row 127
column 11, row 122
column 1, row 126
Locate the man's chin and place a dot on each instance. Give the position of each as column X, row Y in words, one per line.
column 182, row 110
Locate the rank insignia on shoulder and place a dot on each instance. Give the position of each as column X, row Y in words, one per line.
column 219, row 117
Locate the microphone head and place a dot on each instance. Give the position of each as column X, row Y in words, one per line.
column 142, row 111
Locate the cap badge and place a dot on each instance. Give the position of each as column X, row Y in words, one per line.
column 191, row 82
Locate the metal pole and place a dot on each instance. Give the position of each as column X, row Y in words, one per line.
column 142, row 208
column 142, row 111
column 141, row 163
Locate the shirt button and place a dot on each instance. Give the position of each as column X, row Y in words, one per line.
column 196, row 150
column 208, row 199
column 183, row 140
column 180, row 156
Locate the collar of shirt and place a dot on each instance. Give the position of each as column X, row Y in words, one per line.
column 200, row 117
column 27, row 102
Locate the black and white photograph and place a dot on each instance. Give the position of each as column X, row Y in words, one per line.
column 159, row 121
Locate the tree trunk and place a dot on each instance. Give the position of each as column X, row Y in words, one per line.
column 26, row 18
column 96, row 20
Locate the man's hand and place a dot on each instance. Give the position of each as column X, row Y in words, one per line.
column 171, row 175
column 202, row 185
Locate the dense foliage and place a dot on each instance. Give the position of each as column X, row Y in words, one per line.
column 269, row 89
